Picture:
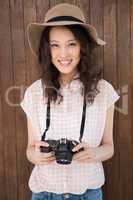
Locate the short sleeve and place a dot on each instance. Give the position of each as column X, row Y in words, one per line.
column 111, row 95
column 33, row 106
column 27, row 102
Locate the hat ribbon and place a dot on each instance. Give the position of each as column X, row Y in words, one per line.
column 64, row 18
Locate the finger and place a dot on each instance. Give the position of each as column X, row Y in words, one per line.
column 81, row 158
column 44, row 163
column 79, row 146
column 76, row 148
column 85, row 160
column 42, row 158
column 40, row 154
column 41, row 143
column 47, row 159
column 48, row 155
column 81, row 154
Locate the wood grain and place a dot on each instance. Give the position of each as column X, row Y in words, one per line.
column 110, row 74
column 8, row 113
column 125, row 132
column 113, row 20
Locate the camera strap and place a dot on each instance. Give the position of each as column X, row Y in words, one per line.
column 47, row 120
column 82, row 122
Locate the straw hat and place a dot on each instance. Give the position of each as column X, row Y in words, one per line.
column 61, row 14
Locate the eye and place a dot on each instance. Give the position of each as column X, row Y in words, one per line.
column 72, row 44
column 54, row 45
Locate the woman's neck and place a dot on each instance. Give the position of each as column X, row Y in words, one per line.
column 66, row 79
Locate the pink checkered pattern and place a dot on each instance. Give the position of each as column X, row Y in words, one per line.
column 65, row 122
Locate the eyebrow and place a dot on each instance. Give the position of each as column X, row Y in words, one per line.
column 67, row 41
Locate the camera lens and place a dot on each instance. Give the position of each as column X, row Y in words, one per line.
column 63, row 152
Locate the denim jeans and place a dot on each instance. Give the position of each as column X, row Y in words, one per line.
column 90, row 194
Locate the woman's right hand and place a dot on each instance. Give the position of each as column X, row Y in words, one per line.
column 39, row 158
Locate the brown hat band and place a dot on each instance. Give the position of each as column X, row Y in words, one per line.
column 64, row 18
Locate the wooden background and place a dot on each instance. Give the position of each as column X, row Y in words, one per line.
column 18, row 68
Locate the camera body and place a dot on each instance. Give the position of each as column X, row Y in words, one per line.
column 62, row 148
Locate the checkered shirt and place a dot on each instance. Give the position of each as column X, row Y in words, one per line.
column 65, row 123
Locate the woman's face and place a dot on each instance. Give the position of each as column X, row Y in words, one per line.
column 65, row 50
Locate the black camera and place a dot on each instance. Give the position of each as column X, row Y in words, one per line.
column 62, row 148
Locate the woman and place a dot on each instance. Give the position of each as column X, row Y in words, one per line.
column 70, row 101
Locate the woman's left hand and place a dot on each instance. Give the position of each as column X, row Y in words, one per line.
column 87, row 155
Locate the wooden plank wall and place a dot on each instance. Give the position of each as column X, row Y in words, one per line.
column 18, row 69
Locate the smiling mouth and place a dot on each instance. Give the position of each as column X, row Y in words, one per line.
column 65, row 62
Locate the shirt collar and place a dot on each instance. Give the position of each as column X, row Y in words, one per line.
column 74, row 86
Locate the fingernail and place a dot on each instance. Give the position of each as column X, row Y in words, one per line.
column 46, row 144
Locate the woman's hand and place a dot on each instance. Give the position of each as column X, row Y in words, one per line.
column 87, row 155
column 39, row 158
column 93, row 154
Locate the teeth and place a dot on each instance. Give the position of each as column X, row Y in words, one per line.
column 65, row 62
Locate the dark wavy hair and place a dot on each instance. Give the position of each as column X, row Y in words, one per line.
column 89, row 71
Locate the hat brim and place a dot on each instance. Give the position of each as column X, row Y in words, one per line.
column 34, row 32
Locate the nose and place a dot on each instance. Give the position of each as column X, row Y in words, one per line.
column 63, row 51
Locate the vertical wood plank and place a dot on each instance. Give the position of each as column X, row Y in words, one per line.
column 125, row 132
column 31, row 60
column 41, row 8
column 85, row 7
column 8, row 113
column 30, row 72
column 111, row 188
column 2, row 165
column 131, row 83
column 96, row 19
column 2, row 138
column 131, row 62
column 19, row 68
